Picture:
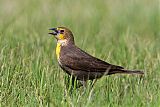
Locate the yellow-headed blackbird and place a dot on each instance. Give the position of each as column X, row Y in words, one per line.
column 80, row 64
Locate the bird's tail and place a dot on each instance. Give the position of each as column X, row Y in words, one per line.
column 123, row 71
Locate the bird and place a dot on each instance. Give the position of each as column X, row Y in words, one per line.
column 78, row 63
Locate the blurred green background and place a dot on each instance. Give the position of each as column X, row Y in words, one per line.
column 125, row 32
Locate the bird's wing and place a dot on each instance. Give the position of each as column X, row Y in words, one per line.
column 77, row 59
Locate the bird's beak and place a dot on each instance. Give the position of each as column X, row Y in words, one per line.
column 54, row 31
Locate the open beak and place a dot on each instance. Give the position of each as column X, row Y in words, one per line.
column 54, row 31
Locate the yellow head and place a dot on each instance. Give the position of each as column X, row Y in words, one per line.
column 62, row 34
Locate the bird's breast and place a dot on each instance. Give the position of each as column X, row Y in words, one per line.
column 58, row 49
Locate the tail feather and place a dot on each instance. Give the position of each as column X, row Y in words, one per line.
column 124, row 71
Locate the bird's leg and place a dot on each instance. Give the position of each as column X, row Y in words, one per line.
column 75, row 83
column 84, row 83
column 69, row 85
column 93, row 82
column 67, row 81
column 83, row 89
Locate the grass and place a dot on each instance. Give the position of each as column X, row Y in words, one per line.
column 120, row 32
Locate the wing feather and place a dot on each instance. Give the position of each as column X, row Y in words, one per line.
column 77, row 59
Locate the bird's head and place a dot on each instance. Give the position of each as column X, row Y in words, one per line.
column 62, row 34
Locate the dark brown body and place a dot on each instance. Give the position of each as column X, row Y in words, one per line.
column 80, row 64
column 84, row 67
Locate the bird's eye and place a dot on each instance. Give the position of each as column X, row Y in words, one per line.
column 61, row 31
